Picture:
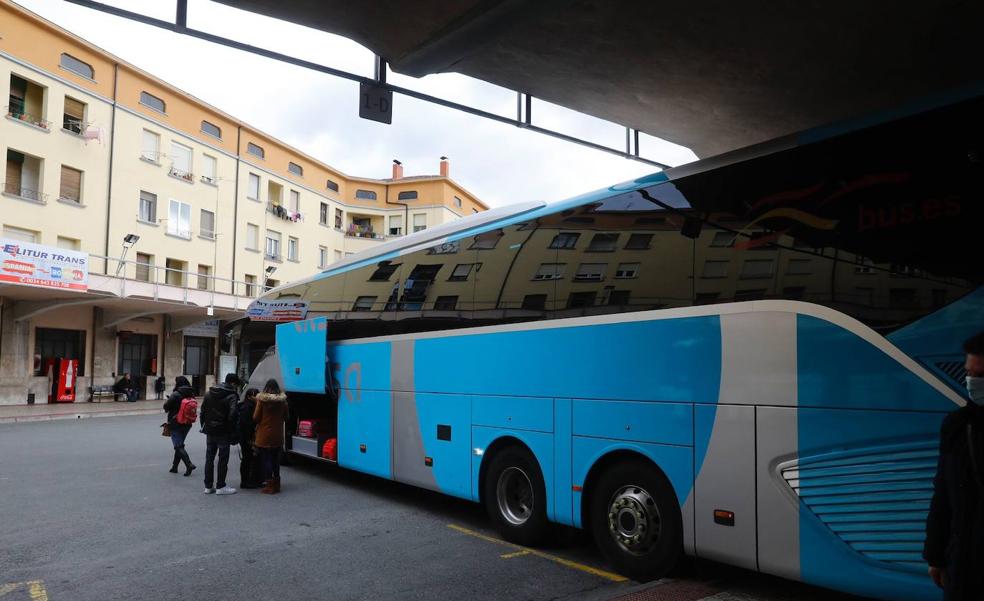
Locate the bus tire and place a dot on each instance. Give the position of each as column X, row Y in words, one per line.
column 635, row 520
column 515, row 496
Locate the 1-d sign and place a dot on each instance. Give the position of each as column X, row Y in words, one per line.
column 375, row 103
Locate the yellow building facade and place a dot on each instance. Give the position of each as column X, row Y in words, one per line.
column 96, row 150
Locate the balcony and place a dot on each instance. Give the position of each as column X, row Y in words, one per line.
column 15, row 190
column 182, row 175
column 18, row 114
column 279, row 211
column 362, row 231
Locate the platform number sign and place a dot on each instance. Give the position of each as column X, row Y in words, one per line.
column 375, row 103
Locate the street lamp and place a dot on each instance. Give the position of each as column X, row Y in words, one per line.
column 128, row 241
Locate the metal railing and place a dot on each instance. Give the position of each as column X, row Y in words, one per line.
column 18, row 113
column 362, row 231
column 16, row 190
column 178, row 173
column 278, row 210
column 137, row 271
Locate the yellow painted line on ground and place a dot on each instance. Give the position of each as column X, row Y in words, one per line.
column 514, row 554
column 564, row 562
column 36, row 589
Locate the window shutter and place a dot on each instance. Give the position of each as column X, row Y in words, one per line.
column 71, row 183
column 74, row 108
column 13, row 180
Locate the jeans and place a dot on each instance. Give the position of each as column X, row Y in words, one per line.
column 213, row 443
column 131, row 394
column 178, row 434
column 271, row 462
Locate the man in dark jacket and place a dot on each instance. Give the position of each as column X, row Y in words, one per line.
column 954, row 546
column 179, row 431
column 217, row 417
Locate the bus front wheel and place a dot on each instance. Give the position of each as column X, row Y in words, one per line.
column 635, row 520
column 515, row 497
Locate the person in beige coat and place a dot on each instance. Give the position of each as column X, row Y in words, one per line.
column 269, row 417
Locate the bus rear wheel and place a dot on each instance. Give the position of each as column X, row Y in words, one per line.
column 515, row 496
column 635, row 520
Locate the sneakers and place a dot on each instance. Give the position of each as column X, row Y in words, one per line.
column 226, row 490
column 209, row 491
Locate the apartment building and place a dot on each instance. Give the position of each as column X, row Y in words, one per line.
column 184, row 211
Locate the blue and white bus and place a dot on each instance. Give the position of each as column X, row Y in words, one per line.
column 746, row 359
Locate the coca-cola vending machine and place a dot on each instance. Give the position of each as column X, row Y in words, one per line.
column 65, row 387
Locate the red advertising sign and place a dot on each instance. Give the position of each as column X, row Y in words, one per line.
column 43, row 266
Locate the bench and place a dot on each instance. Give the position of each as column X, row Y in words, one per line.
column 104, row 390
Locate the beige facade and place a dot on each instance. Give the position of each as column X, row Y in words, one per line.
column 95, row 150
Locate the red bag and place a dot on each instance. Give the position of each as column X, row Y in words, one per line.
column 188, row 412
column 308, row 428
column 330, row 449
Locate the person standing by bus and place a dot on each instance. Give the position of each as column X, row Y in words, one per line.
column 179, row 430
column 269, row 417
column 217, row 420
column 954, row 547
column 249, row 469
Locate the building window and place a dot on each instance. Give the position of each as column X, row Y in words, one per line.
column 603, row 243
column 338, row 219
column 864, row 265
column 565, row 240
column 446, row 303
column 578, row 300
column 407, row 195
column 250, row 284
column 364, row 303
column 23, row 176
column 322, row 257
column 799, row 267
column 144, row 264
column 338, row 255
column 295, row 201
column 179, row 219
column 457, row 202
column 69, row 243
column 590, row 272
column 715, row 269
column 550, row 271
column 292, row 249
column 255, row 150
column 252, row 237
column 486, row 241
column 639, row 242
column 627, row 271
column 365, row 194
column 535, row 302
column 181, row 161
column 253, row 191
column 295, row 169
column 27, row 102
column 383, row 271
column 204, row 277
column 207, row 228
column 148, row 207
column 150, row 146
column 209, row 166
column 723, row 239
column 461, row 272
column 333, row 186
column 419, row 222
column 20, row 234
column 757, row 268
column 52, row 344
column 71, row 184
column 73, row 117
column 175, row 272
column 794, row 292
column 151, row 101
column 396, row 225
column 272, row 249
column 76, row 66
column 211, row 129
column 619, row 297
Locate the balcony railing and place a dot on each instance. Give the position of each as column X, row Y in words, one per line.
column 178, row 173
column 362, row 231
column 17, row 113
column 278, row 210
column 29, row 194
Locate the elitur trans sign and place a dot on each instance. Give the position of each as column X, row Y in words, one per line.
column 43, row 266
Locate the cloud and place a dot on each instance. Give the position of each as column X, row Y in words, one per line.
column 318, row 113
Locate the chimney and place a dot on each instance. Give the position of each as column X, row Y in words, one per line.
column 445, row 167
column 397, row 169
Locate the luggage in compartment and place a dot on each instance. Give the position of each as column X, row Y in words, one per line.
column 310, row 428
column 329, row 450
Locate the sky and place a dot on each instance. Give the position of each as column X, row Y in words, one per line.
column 318, row 114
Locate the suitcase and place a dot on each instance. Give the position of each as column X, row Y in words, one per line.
column 308, row 428
column 330, row 449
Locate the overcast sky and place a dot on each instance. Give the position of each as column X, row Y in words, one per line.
column 318, row 114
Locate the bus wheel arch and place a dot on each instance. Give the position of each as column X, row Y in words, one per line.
column 633, row 513
column 513, row 491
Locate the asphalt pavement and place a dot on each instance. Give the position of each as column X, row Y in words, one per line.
column 89, row 511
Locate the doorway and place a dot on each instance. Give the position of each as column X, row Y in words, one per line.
column 138, row 357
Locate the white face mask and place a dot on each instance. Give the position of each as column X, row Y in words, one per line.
column 975, row 388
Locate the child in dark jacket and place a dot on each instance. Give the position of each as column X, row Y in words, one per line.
column 182, row 390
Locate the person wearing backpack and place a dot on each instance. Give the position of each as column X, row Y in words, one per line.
column 217, row 417
column 269, row 417
column 181, row 409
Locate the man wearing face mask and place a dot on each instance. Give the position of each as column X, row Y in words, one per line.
column 954, row 546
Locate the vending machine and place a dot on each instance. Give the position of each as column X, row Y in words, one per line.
column 65, row 386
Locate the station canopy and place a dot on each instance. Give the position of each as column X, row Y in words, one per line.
column 714, row 75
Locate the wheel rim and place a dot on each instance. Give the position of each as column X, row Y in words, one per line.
column 514, row 492
column 633, row 519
